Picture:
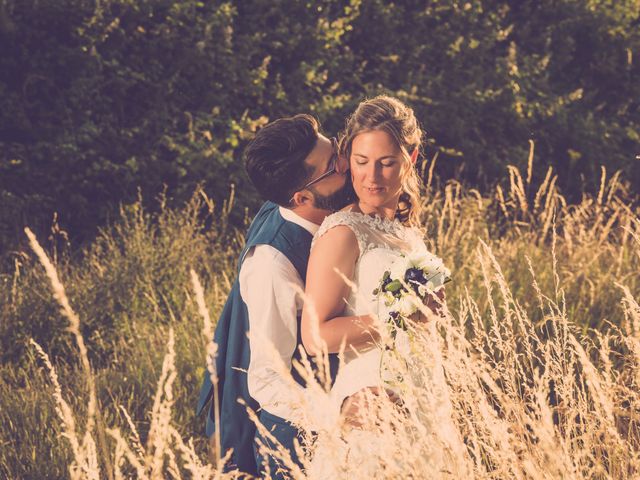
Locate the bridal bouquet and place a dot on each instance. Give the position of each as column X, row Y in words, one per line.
column 405, row 286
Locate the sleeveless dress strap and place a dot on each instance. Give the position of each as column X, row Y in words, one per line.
column 347, row 219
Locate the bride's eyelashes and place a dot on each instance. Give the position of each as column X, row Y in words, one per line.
column 384, row 163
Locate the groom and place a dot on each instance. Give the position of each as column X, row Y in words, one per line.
column 301, row 177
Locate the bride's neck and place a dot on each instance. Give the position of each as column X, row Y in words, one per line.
column 385, row 211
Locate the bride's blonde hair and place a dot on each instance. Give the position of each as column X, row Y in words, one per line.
column 398, row 120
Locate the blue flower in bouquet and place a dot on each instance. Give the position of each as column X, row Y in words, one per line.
column 420, row 271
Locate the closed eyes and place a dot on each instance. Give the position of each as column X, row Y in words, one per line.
column 384, row 163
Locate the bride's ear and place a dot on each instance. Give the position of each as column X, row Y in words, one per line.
column 414, row 156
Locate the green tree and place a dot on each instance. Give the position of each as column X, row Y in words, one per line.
column 100, row 99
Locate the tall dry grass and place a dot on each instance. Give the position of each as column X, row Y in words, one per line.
column 539, row 351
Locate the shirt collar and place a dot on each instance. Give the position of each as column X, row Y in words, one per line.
column 293, row 217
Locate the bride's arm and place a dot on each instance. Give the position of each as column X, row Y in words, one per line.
column 326, row 291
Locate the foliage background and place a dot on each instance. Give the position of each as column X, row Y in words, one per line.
column 100, row 99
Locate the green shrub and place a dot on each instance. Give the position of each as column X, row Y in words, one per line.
column 100, row 99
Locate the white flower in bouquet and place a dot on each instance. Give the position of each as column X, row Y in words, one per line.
column 400, row 267
column 419, row 271
column 407, row 305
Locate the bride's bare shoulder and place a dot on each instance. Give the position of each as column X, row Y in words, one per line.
column 336, row 234
column 337, row 248
column 340, row 235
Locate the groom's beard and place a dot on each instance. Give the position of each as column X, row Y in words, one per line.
column 337, row 200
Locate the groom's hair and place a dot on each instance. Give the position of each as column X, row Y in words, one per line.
column 275, row 158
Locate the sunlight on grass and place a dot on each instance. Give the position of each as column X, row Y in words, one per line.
column 539, row 346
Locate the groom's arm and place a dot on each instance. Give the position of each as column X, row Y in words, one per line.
column 267, row 286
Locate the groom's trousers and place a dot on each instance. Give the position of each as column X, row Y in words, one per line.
column 285, row 433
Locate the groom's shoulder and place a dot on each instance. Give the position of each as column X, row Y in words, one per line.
column 271, row 227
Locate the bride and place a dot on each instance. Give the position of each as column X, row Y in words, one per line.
column 382, row 393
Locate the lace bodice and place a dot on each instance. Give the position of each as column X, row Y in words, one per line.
column 380, row 242
column 372, row 231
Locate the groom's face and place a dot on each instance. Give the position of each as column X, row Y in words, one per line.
column 332, row 192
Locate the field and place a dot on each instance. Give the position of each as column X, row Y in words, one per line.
column 103, row 350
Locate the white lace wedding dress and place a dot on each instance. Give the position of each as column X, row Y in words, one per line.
column 362, row 452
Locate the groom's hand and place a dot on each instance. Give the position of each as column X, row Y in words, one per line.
column 357, row 408
column 434, row 302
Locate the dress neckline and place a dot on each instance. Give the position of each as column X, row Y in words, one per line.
column 377, row 221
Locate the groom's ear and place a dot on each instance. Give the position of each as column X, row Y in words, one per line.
column 414, row 156
column 300, row 198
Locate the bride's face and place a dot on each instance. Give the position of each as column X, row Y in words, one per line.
column 376, row 166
